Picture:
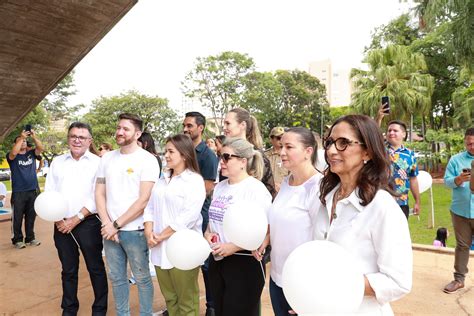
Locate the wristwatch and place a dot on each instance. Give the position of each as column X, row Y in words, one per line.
column 80, row 216
column 116, row 225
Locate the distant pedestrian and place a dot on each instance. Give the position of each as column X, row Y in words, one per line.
column 441, row 236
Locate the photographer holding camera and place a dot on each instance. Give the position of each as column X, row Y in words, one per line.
column 24, row 187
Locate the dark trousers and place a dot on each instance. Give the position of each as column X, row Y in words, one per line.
column 236, row 285
column 23, row 205
column 89, row 238
column 279, row 303
column 405, row 210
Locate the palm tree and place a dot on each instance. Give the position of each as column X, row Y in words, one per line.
column 395, row 72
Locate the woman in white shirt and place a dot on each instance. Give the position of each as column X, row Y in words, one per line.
column 360, row 214
column 236, row 278
column 175, row 204
column 290, row 217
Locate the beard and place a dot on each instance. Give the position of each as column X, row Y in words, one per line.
column 123, row 141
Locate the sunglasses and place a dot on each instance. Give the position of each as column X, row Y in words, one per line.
column 276, row 137
column 226, row 157
column 341, row 143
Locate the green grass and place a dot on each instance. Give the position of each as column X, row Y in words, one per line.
column 419, row 230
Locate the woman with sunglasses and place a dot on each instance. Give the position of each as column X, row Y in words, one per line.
column 290, row 217
column 360, row 212
column 104, row 148
column 236, row 278
column 175, row 204
column 239, row 123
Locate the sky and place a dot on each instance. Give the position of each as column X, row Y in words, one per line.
column 157, row 42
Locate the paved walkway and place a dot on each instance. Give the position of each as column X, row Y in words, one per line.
column 30, row 282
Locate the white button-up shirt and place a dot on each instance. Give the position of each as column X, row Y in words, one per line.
column 377, row 236
column 75, row 180
column 175, row 202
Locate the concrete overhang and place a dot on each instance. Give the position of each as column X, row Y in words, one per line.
column 41, row 41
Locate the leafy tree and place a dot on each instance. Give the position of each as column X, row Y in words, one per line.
column 37, row 118
column 398, row 73
column 400, row 31
column 337, row 112
column 285, row 98
column 55, row 103
column 158, row 118
column 441, row 65
column 217, row 82
column 456, row 16
column 463, row 101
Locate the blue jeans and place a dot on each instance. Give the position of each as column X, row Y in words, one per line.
column 132, row 246
column 279, row 303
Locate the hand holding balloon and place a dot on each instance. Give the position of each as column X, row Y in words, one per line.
column 51, row 206
column 187, row 249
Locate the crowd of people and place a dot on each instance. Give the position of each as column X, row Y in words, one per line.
column 129, row 203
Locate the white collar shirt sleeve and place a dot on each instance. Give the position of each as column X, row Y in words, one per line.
column 75, row 180
column 175, row 203
column 378, row 237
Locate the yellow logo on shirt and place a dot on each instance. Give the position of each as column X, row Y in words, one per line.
column 129, row 170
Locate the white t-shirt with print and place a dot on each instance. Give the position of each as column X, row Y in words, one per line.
column 225, row 194
column 123, row 174
column 290, row 219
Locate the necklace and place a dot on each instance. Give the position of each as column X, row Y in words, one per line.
column 341, row 196
column 337, row 197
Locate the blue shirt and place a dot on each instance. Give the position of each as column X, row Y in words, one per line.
column 23, row 172
column 462, row 203
column 207, row 161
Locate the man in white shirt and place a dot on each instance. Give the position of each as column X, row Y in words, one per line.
column 73, row 175
column 124, row 182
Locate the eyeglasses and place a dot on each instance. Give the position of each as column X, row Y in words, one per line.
column 341, row 143
column 79, row 138
column 226, row 157
column 276, row 137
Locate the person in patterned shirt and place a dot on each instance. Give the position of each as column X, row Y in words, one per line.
column 404, row 168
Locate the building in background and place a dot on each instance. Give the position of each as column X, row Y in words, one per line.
column 337, row 82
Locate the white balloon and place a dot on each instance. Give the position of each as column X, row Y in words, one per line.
column 320, row 277
column 245, row 224
column 51, row 206
column 187, row 249
column 424, row 181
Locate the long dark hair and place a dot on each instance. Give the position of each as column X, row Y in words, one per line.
column 184, row 145
column 148, row 143
column 375, row 174
column 442, row 235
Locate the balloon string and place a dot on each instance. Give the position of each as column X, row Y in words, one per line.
column 73, row 237
column 250, row 255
